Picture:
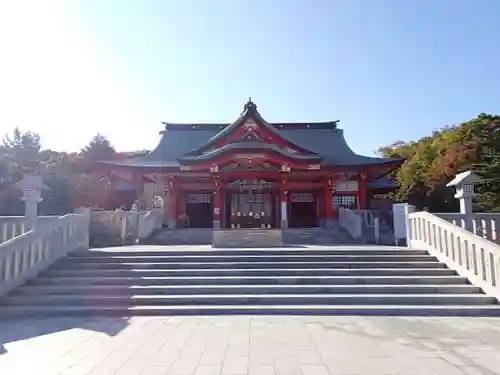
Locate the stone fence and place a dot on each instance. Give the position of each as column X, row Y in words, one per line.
column 470, row 255
column 486, row 225
column 352, row 222
column 120, row 227
column 24, row 256
column 13, row 226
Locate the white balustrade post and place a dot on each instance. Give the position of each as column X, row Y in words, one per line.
column 31, row 186
column 86, row 212
column 135, row 212
column 401, row 211
column 464, row 184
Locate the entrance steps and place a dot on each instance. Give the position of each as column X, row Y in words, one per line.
column 291, row 236
column 343, row 280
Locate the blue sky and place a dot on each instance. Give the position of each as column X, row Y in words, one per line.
column 388, row 69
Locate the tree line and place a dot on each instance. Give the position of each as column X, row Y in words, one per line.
column 433, row 161
column 430, row 163
column 68, row 176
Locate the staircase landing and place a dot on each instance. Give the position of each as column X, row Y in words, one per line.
column 291, row 236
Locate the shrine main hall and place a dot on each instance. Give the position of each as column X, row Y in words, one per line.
column 251, row 174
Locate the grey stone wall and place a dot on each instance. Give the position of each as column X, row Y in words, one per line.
column 247, row 238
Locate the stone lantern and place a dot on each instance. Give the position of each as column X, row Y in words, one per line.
column 31, row 187
column 464, row 184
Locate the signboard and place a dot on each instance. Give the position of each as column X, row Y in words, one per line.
column 301, row 197
column 250, row 184
column 199, row 198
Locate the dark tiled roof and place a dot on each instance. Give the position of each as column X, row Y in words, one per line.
column 328, row 143
column 321, row 140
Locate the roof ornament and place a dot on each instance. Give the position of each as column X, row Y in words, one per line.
column 250, row 106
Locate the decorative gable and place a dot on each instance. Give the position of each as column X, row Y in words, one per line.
column 251, row 128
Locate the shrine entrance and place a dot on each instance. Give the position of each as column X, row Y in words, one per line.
column 199, row 210
column 303, row 211
column 250, row 205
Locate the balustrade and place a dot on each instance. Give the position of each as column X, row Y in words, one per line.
column 12, row 226
column 486, row 225
column 24, row 256
column 470, row 255
column 351, row 221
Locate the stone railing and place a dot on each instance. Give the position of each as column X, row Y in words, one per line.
column 352, row 222
column 112, row 228
column 12, row 226
column 470, row 255
column 150, row 222
column 24, row 256
column 486, row 225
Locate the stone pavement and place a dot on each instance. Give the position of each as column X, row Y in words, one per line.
column 250, row 345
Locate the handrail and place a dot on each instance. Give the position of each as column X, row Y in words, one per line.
column 484, row 224
column 470, row 255
column 12, row 226
column 24, row 256
column 351, row 221
column 149, row 222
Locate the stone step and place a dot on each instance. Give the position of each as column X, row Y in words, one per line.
column 91, row 272
column 133, row 290
column 208, row 251
column 240, row 299
column 337, row 310
column 161, row 259
column 246, row 265
column 89, row 280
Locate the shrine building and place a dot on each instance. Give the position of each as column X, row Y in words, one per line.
column 251, row 174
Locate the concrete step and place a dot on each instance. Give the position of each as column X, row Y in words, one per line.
column 89, row 280
column 166, row 251
column 238, row 272
column 305, row 310
column 245, row 265
column 249, row 258
column 240, row 299
column 133, row 290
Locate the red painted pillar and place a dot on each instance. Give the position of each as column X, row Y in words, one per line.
column 362, row 204
column 181, row 202
column 171, row 204
column 320, row 197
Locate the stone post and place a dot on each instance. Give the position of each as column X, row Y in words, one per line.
column 400, row 212
column 464, row 184
column 31, row 186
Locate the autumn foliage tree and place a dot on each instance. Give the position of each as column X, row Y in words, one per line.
column 432, row 161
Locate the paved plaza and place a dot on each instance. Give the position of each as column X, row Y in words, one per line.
column 250, row 345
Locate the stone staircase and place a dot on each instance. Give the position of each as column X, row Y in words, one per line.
column 343, row 280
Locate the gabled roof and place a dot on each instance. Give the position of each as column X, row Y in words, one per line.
column 250, row 113
column 320, row 140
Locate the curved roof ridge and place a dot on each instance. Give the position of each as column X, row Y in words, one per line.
column 251, row 146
